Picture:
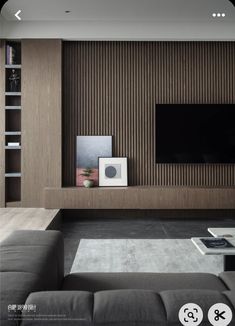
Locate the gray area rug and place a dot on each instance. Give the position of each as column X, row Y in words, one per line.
column 130, row 255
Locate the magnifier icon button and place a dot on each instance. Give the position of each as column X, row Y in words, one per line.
column 190, row 314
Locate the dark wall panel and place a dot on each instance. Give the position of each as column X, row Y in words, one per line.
column 111, row 88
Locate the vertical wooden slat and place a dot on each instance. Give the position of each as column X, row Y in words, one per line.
column 113, row 88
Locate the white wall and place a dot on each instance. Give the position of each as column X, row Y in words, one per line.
column 108, row 30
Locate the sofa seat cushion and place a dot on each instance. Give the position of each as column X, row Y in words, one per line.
column 229, row 279
column 157, row 282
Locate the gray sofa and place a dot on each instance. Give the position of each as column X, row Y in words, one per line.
column 32, row 274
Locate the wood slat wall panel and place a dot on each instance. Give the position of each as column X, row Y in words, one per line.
column 111, row 88
column 2, row 123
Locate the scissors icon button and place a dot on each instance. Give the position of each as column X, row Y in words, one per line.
column 220, row 315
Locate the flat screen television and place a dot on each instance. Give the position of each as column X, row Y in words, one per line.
column 195, row 133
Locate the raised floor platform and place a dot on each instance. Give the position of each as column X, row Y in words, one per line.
column 12, row 219
column 140, row 197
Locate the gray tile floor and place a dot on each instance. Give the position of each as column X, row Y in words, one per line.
column 78, row 228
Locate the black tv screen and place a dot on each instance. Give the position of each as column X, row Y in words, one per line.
column 195, row 133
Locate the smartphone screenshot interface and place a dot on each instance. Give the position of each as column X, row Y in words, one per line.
column 117, row 162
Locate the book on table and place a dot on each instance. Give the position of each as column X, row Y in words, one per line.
column 217, row 243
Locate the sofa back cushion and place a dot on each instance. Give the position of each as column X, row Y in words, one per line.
column 125, row 307
column 118, row 307
column 60, row 308
column 157, row 282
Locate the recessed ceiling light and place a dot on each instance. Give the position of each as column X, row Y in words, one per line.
column 214, row 14
column 223, row 14
column 218, row 15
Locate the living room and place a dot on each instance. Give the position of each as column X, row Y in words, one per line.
column 117, row 162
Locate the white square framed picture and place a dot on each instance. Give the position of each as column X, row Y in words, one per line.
column 113, row 172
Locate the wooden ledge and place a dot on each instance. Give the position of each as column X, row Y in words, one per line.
column 140, row 197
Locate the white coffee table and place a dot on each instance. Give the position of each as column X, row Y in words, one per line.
column 228, row 253
column 211, row 251
column 222, row 232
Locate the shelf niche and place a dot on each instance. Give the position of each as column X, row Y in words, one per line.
column 12, row 139
column 13, row 101
column 13, row 162
column 13, row 53
column 13, row 121
column 13, row 189
column 12, row 87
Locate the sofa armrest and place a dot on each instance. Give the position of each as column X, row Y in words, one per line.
column 30, row 261
column 229, row 279
column 37, row 252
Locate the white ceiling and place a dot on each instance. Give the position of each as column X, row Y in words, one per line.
column 120, row 10
column 178, row 19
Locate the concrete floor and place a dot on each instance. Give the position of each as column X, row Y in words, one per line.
column 75, row 228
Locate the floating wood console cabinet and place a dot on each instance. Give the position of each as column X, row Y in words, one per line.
column 140, row 197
